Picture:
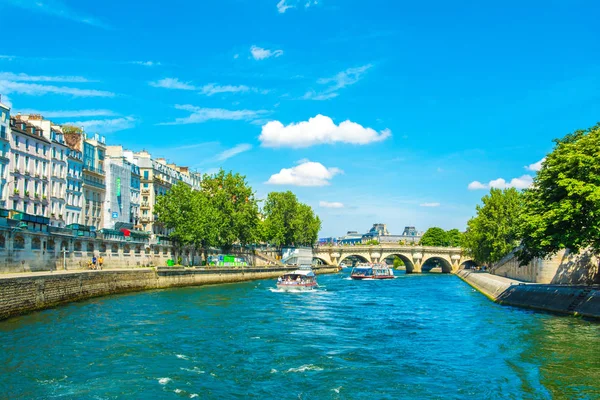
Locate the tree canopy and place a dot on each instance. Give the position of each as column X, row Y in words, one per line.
column 288, row 222
column 494, row 231
column 225, row 212
column 562, row 208
column 440, row 238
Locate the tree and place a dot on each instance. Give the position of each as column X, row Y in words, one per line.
column 398, row 262
column 232, row 199
column 494, row 231
column 189, row 215
column 562, row 208
column 280, row 210
column 434, row 237
column 306, row 225
column 289, row 222
column 454, row 237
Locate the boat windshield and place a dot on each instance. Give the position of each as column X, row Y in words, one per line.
column 362, row 271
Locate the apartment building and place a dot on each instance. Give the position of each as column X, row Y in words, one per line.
column 29, row 168
column 57, row 166
column 157, row 177
column 4, row 153
column 74, row 186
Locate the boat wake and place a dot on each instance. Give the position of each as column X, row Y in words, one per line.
column 304, row 368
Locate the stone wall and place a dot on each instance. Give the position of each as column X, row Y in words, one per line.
column 564, row 299
column 563, row 268
column 22, row 294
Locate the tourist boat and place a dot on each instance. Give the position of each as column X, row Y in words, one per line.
column 300, row 280
column 372, row 271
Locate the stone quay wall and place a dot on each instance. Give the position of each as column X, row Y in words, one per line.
column 563, row 299
column 21, row 294
column 563, row 268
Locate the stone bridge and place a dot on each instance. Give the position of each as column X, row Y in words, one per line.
column 451, row 259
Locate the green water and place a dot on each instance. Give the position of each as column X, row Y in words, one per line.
column 416, row 337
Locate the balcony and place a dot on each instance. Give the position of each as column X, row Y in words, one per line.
column 145, row 206
column 145, row 219
column 91, row 182
column 88, row 168
column 145, row 191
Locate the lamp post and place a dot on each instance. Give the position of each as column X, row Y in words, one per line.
column 64, row 251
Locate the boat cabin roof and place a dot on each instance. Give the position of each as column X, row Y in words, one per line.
column 302, row 272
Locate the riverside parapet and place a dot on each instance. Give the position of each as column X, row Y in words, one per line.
column 563, row 299
column 23, row 293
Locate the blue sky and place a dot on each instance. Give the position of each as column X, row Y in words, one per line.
column 443, row 98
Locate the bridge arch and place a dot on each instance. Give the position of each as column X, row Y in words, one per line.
column 319, row 260
column 467, row 264
column 346, row 257
column 433, row 262
column 408, row 263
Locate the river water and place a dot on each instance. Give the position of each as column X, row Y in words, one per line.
column 416, row 337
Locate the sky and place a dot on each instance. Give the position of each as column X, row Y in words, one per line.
column 396, row 112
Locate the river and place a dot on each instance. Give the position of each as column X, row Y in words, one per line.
column 417, row 337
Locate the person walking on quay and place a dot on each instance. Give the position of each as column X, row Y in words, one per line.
column 94, row 261
column 100, row 262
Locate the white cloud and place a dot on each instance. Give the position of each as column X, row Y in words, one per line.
column 523, row 182
column 213, row 88
column 334, row 204
column 258, row 53
column 4, row 99
column 476, row 185
column 106, row 125
column 38, row 90
column 9, row 76
column 337, row 82
column 430, row 204
column 236, row 56
column 283, row 5
column 7, row 58
column 318, row 130
column 199, row 115
column 172, row 83
column 308, row 173
column 146, row 63
column 536, row 166
column 70, row 113
column 59, row 9
column 234, row 151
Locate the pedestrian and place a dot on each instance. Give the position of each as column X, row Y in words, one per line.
column 100, row 261
column 94, row 261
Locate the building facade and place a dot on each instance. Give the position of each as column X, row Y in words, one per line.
column 28, row 184
column 4, row 153
column 74, row 186
column 57, row 164
column 94, row 181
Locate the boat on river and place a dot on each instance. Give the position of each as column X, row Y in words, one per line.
column 301, row 279
column 372, row 271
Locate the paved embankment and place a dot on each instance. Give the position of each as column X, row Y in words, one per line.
column 22, row 293
column 565, row 299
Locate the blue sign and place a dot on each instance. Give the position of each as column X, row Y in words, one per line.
column 115, row 215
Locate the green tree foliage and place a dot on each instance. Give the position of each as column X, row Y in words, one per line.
column 398, row 262
column 454, row 238
column 434, row 237
column 189, row 214
column 233, row 200
column 289, row 222
column 494, row 231
column 562, row 208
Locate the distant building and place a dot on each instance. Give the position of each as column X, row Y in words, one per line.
column 351, row 237
column 380, row 233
